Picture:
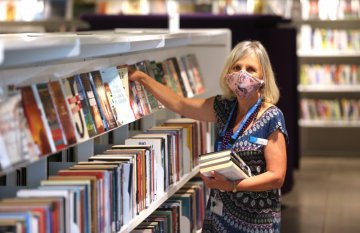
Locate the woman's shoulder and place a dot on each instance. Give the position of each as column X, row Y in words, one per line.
column 269, row 109
column 222, row 107
column 273, row 118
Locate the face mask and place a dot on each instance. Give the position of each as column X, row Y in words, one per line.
column 243, row 84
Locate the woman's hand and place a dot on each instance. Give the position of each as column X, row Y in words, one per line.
column 217, row 181
column 137, row 75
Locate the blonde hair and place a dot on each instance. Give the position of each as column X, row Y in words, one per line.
column 269, row 91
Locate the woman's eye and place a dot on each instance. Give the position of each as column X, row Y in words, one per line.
column 236, row 68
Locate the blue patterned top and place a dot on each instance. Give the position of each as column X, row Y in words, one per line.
column 250, row 212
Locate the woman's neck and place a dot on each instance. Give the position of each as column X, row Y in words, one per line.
column 245, row 104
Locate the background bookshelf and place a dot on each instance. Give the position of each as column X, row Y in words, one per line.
column 87, row 51
column 329, row 78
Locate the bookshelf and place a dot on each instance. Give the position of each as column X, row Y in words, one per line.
column 145, row 213
column 34, row 58
column 328, row 85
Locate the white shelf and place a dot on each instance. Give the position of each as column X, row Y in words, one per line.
column 316, row 88
column 156, row 204
column 42, row 48
column 32, row 48
column 329, row 53
column 329, row 123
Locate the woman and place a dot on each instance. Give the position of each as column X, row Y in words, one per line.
column 251, row 125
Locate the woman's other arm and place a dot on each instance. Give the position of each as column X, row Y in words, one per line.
column 275, row 156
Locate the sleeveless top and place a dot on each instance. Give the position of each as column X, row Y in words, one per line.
column 250, row 212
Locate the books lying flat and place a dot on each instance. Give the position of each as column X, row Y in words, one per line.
column 226, row 163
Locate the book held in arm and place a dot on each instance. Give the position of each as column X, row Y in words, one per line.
column 226, row 163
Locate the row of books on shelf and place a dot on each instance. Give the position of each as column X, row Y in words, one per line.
column 43, row 118
column 329, row 39
column 325, row 109
column 329, row 74
column 330, row 10
column 109, row 190
column 182, row 212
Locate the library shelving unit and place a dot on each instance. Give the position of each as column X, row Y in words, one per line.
column 30, row 58
column 329, row 86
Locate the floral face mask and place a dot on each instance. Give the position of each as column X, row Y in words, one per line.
column 243, row 84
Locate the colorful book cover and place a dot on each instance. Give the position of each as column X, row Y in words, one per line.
column 174, row 67
column 170, row 79
column 52, row 116
column 194, row 67
column 185, row 77
column 14, row 138
column 121, row 103
column 100, row 96
column 85, row 81
column 62, row 109
column 85, row 105
column 74, row 102
column 134, row 98
column 35, row 121
column 146, row 68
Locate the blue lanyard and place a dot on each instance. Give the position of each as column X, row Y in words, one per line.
column 243, row 122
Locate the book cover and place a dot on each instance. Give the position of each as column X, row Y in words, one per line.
column 176, row 72
column 16, row 143
column 73, row 100
column 184, row 74
column 61, row 107
column 193, row 65
column 85, row 81
column 85, row 106
column 36, row 125
column 171, row 77
column 120, row 98
column 124, row 77
column 101, row 98
column 52, row 116
column 145, row 67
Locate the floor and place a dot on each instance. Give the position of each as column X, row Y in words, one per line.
column 325, row 198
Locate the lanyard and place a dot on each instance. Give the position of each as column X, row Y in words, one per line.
column 243, row 122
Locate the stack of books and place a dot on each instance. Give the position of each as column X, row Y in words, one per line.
column 225, row 162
